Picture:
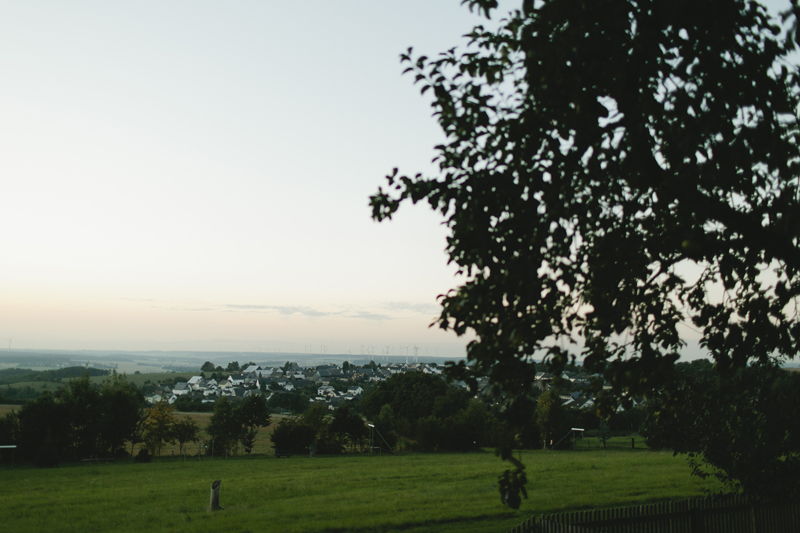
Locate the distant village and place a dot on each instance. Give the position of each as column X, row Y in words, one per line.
column 255, row 379
column 336, row 384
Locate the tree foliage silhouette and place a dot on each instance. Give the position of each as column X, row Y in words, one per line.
column 611, row 170
column 740, row 429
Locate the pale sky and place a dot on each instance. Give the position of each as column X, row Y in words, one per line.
column 195, row 175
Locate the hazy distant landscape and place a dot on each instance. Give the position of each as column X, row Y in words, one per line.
column 177, row 361
column 350, row 489
column 433, row 471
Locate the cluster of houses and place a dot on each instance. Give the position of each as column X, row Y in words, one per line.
column 198, row 388
column 255, row 379
column 578, row 397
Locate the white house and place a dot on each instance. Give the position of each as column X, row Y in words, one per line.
column 181, row 388
column 154, row 399
column 197, row 383
column 326, row 390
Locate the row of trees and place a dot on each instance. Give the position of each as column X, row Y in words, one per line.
column 159, row 426
column 231, row 425
column 345, row 430
column 79, row 421
column 83, row 421
column 426, row 411
column 233, row 366
column 431, row 415
column 739, row 427
column 17, row 395
column 427, row 414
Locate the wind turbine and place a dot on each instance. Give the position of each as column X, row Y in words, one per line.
column 401, row 352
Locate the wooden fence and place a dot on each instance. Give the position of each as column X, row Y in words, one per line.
column 590, row 442
column 700, row 515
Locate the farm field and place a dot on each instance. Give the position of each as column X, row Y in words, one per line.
column 153, row 377
column 137, row 379
column 40, row 386
column 411, row 493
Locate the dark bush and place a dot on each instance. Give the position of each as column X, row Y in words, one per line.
column 47, row 456
column 143, row 456
column 292, row 436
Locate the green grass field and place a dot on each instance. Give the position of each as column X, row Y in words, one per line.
column 411, row 493
column 137, row 379
column 40, row 386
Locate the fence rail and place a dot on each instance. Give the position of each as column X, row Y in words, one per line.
column 732, row 514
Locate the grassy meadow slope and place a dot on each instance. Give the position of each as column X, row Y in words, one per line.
column 411, row 493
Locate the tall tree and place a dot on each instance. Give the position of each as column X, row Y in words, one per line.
column 252, row 413
column 550, row 417
column 120, row 413
column 158, row 427
column 82, row 420
column 316, row 416
column 292, row 435
column 612, row 169
column 224, row 428
column 44, row 420
column 349, row 426
column 186, row 430
column 85, row 408
column 604, row 432
column 412, row 396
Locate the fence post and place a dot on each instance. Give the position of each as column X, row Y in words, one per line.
column 214, row 504
column 696, row 524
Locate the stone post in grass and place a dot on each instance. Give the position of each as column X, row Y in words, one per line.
column 214, row 505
